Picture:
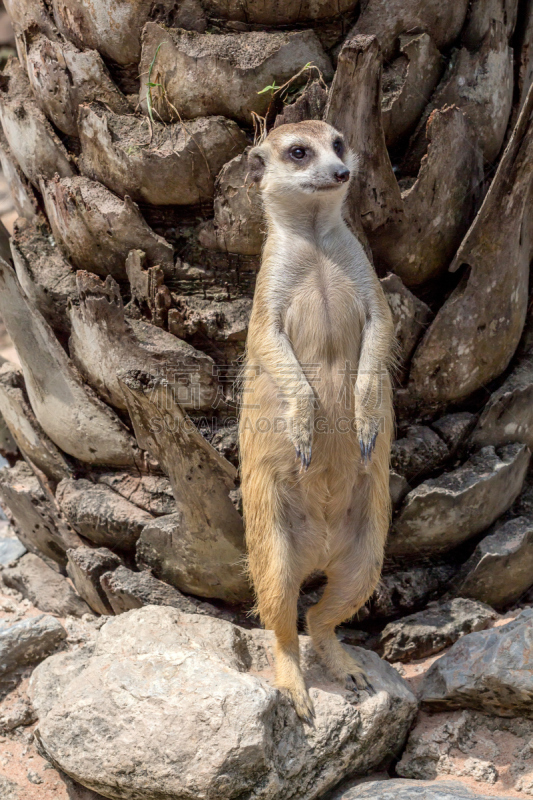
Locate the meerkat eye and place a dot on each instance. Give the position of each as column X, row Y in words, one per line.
column 297, row 152
column 338, row 146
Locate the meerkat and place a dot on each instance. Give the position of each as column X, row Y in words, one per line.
column 316, row 417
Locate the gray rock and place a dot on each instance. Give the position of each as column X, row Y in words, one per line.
column 158, row 164
column 126, row 590
column 430, row 631
column 45, row 588
column 489, row 671
column 76, row 791
column 454, row 428
column 152, row 493
column 398, row 488
column 411, row 790
column 16, row 712
column 409, row 314
column 188, row 704
column 11, row 549
column 272, row 12
column 500, row 569
column 405, row 591
column 85, row 567
column 238, row 225
column 100, row 514
column 443, row 512
column 471, row 745
column 22, row 192
column 9, row 790
column 420, row 451
column 236, row 67
column 29, row 641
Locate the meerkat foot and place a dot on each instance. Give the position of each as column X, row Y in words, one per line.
column 301, row 435
column 367, row 430
column 301, row 701
column 342, row 666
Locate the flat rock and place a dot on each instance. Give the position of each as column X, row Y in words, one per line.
column 475, row 333
column 11, row 549
column 236, row 735
column 103, row 343
column 85, row 567
column 446, row 511
column 44, row 273
column 454, row 428
column 428, row 632
column 24, row 427
column 489, row 751
column 420, row 451
column 100, row 514
column 44, row 587
column 411, row 790
column 238, row 224
column 32, row 140
column 408, row 82
column 236, row 67
column 488, row 671
column 154, row 163
column 500, row 570
column 126, row 590
column 74, row 418
column 272, row 12
column 38, row 522
column 97, row 230
column 153, row 493
column 410, row 316
column 29, row 641
column 63, row 77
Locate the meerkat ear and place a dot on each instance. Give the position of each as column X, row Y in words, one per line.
column 256, row 164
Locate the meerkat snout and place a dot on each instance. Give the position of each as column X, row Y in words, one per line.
column 309, row 157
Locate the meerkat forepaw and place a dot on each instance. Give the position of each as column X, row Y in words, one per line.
column 301, row 435
column 367, row 429
column 301, row 702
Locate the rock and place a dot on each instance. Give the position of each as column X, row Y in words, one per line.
column 493, row 253
column 103, row 343
column 388, row 19
column 207, row 671
column 26, row 431
column 16, row 713
column 488, row 671
column 500, row 570
column 95, row 25
column 32, row 140
column 428, row 632
column 271, row 12
column 68, row 412
column 408, row 82
column 26, row 14
column 126, row 590
column 410, row 316
column 38, row 522
column 471, row 745
column 482, row 15
column 11, row 549
column 9, row 789
column 148, row 289
column 411, row 790
column 85, row 567
column 480, row 83
column 508, row 415
column 44, row 587
column 43, row 272
column 97, row 230
column 354, row 108
column 152, row 493
column 226, row 441
column 309, row 104
column 156, row 163
column 76, row 791
column 101, row 515
column 238, row 221
column 420, row 451
column 63, row 77
column 224, row 322
column 398, row 488
column 29, row 641
column 439, row 205
column 22, row 193
column 200, row 548
column 443, row 512
column 236, row 67
column 454, row 428
column 405, row 591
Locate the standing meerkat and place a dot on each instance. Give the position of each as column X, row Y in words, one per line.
column 316, row 418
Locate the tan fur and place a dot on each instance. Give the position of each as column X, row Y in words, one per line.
column 318, row 307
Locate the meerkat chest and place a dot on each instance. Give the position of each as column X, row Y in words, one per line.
column 324, row 317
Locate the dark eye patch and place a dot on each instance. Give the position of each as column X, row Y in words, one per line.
column 298, row 152
column 338, row 146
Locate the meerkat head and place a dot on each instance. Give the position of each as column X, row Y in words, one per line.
column 307, row 158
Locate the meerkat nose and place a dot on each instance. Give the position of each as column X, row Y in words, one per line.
column 342, row 175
